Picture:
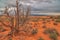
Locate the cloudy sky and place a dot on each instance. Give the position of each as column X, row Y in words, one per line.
column 36, row 5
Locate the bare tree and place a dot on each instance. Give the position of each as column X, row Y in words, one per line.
column 17, row 18
column 6, row 11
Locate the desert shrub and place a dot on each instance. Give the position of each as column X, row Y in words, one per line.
column 53, row 34
column 51, row 16
column 40, row 38
column 48, row 20
column 44, row 22
column 2, row 29
column 49, row 31
column 46, row 31
column 53, row 19
column 57, row 20
column 58, row 17
column 55, row 23
column 8, row 19
column 35, row 19
column 10, row 38
column 34, row 31
column 44, row 19
column 44, row 26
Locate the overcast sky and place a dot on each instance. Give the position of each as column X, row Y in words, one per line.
column 36, row 5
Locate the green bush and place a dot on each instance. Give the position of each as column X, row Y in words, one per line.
column 34, row 31
column 10, row 38
column 53, row 34
column 47, row 31
column 57, row 20
column 40, row 38
column 2, row 29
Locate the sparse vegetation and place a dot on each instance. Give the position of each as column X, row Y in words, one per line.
column 44, row 26
column 40, row 38
column 35, row 20
column 10, row 38
column 53, row 34
column 58, row 17
column 2, row 29
column 34, row 31
column 57, row 20
column 55, row 23
column 22, row 26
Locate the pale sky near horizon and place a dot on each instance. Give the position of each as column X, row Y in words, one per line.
column 36, row 5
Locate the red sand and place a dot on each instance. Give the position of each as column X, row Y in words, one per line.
column 38, row 24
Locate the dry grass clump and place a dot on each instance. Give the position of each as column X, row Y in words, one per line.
column 40, row 38
column 53, row 34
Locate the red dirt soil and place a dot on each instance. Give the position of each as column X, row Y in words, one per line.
column 37, row 22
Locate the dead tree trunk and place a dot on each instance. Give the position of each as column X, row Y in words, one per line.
column 17, row 15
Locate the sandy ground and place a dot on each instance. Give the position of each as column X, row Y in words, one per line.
column 35, row 22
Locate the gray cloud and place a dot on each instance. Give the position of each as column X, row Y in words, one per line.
column 38, row 5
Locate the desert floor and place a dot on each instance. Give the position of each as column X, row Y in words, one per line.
column 36, row 28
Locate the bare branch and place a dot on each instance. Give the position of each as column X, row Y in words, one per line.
column 6, row 11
